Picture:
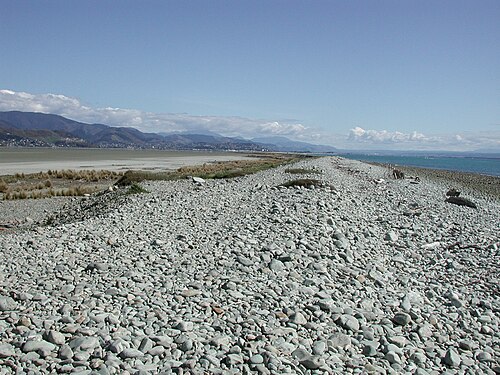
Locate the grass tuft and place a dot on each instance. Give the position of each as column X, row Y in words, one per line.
column 216, row 170
column 135, row 188
column 3, row 186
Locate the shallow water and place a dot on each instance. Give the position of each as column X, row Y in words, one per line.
column 474, row 164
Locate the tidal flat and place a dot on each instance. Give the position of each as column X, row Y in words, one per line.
column 32, row 160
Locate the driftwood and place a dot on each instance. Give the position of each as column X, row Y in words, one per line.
column 461, row 201
column 398, row 174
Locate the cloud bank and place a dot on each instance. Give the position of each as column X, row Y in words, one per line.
column 462, row 141
column 373, row 136
column 146, row 121
column 233, row 126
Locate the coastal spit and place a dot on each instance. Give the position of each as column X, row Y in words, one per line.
column 354, row 272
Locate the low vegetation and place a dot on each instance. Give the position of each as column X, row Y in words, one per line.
column 77, row 191
column 55, row 183
column 135, row 188
column 3, row 186
column 216, row 170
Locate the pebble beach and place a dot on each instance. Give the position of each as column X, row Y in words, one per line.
column 359, row 274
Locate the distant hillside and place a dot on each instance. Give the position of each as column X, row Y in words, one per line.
column 211, row 142
column 46, row 130
column 64, row 132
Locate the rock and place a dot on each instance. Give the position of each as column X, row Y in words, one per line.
column 312, row 362
column 300, row 354
column 156, row 350
column 65, row 352
column 298, row 318
column 468, row 345
column 84, row 343
column 146, row 345
column 452, row 358
column 184, row 326
column 418, row 358
column 187, row 345
column 431, row 246
column 392, row 357
column 131, row 353
column 276, row 265
column 370, row 350
column 7, row 303
column 54, row 337
column 157, row 242
column 349, row 322
column 425, row 331
column 7, row 350
column 484, row 357
column 401, row 318
column 233, row 359
column 391, row 236
column 42, row 347
column 257, row 359
column 116, row 346
column 452, row 193
column 339, row 340
column 399, row 341
column 96, row 266
column 190, row 293
column 245, row 261
column 319, row 347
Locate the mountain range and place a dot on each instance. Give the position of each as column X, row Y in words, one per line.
column 35, row 129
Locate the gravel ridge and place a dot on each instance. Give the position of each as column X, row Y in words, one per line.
column 365, row 274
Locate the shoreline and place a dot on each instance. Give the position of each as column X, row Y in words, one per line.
column 483, row 164
column 482, row 183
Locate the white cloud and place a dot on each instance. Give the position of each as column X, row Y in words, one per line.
column 358, row 134
column 357, row 138
column 147, row 121
column 383, row 139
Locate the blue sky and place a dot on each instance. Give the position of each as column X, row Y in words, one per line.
column 373, row 72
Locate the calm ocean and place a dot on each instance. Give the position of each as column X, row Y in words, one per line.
column 484, row 164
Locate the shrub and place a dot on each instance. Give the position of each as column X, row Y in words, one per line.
column 135, row 188
column 3, row 186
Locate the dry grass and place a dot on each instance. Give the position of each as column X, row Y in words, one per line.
column 3, row 186
column 88, row 175
column 76, row 191
column 217, row 170
column 135, row 188
column 54, row 183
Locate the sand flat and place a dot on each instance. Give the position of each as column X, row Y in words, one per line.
column 31, row 160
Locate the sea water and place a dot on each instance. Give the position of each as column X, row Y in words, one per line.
column 481, row 164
